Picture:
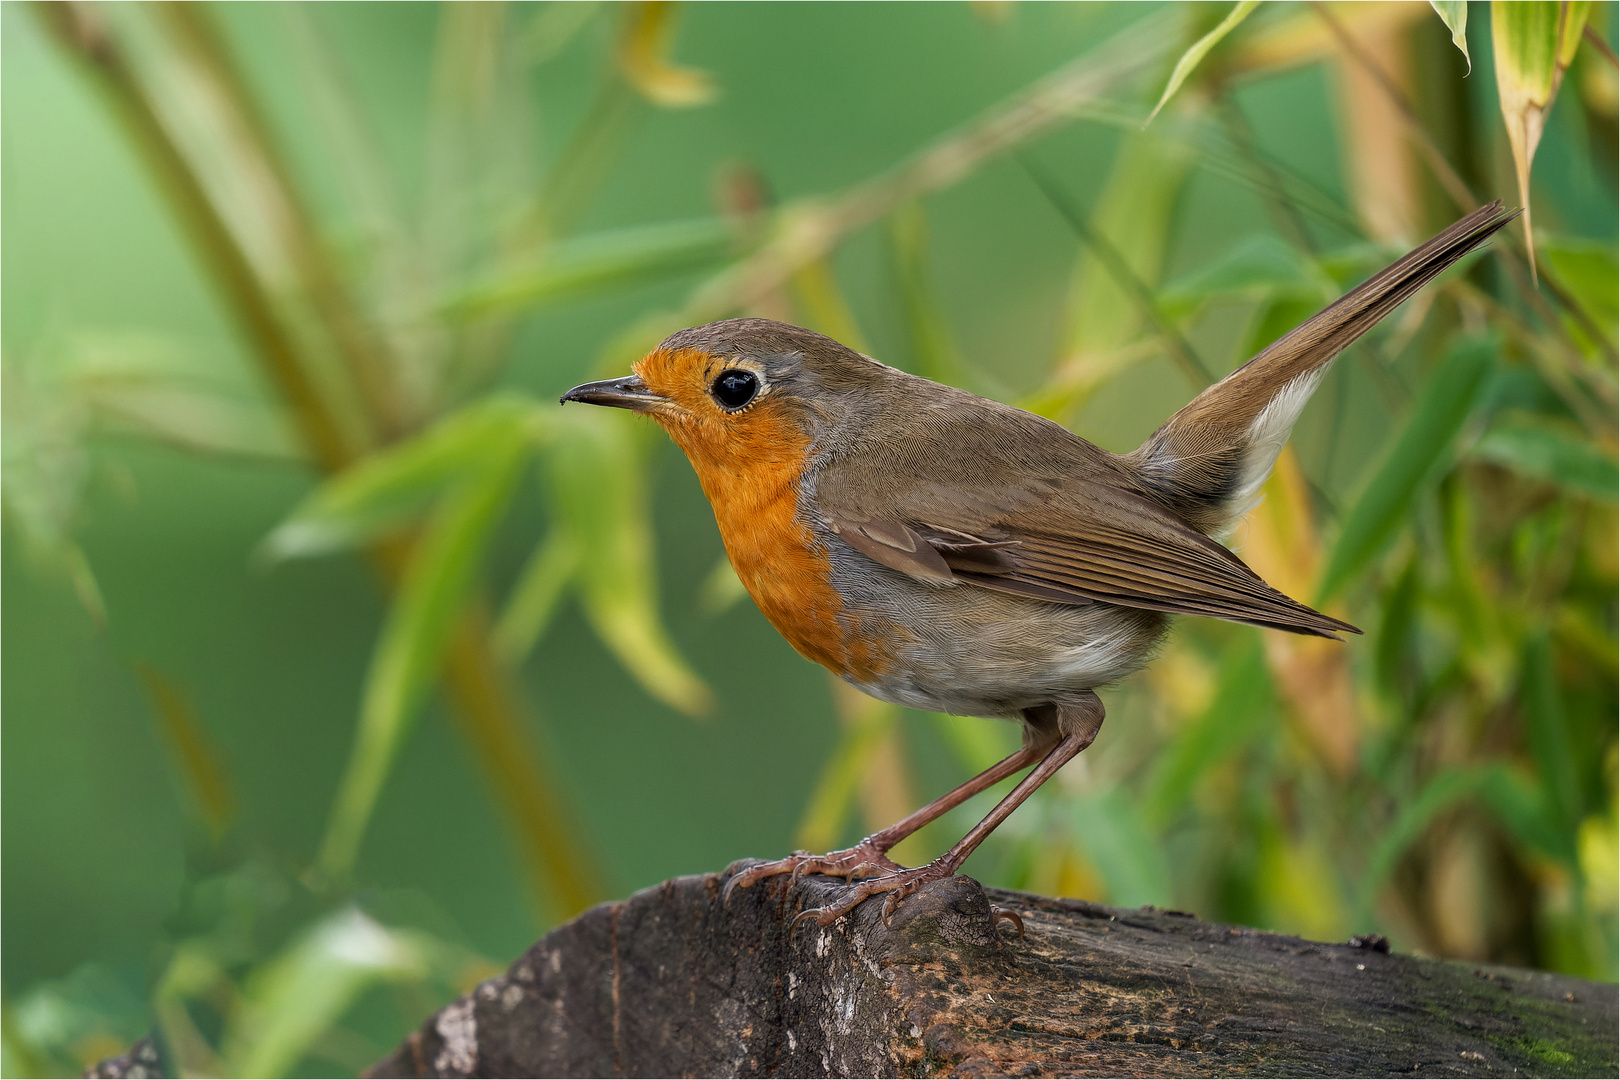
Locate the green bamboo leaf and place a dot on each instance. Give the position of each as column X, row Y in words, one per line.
column 1273, row 318
column 193, row 971
column 1521, row 806
column 1444, row 789
column 1244, row 701
column 1112, row 292
column 385, row 490
column 1547, row 731
column 1260, row 266
column 444, row 563
column 156, row 388
column 306, row 989
column 193, row 419
column 1589, row 273
column 194, row 756
column 534, row 598
column 1114, row 835
column 45, row 468
column 1396, row 650
column 1543, row 449
column 552, row 27
column 1454, row 13
column 1418, row 455
column 595, row 264
column 1515, row 801
column 721, row 588
column 1125, row 241
column 1533, row 43
column 1200, row 49
column 597, row 474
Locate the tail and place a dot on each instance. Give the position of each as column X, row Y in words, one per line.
column 1208, row 461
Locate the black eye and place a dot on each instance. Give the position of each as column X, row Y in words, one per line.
column 735, row 388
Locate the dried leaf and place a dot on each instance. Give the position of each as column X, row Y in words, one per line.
column 196, row 758
column 1312, row 675
column 644, row 59
column 1534, row 42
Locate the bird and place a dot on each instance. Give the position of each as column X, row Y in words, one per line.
column 950, row 553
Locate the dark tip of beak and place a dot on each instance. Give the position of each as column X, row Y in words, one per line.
column 628, row 392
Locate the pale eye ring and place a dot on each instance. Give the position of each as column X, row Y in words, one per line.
column 734, row 388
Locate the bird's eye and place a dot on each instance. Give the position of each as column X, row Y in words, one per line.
column 735, row 388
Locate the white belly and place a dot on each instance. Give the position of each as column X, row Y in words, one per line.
column 959, row 648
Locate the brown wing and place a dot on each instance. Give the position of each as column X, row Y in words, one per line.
column 964, row 488
column 1114, row 562
column 1064, row 528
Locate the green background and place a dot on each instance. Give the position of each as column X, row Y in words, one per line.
column 816, row 97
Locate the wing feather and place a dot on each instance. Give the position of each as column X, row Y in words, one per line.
column 1007, row 501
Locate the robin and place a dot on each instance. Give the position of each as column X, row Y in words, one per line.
column 949, row 553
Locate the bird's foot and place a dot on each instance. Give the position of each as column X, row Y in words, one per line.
column 864, row 858
column 894, row 886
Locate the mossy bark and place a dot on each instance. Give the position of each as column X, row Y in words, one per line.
column 674, row 981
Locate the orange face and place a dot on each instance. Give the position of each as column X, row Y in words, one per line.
column 726, row 414
column 748, row 446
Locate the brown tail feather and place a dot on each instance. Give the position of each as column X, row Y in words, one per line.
column 1208, row 460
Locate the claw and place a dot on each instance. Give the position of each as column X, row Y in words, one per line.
column 857, row 870
column 735, row 883
column 890, row 903
column 808, row 913
column 997, row 914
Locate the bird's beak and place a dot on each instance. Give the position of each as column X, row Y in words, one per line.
column 628, row 392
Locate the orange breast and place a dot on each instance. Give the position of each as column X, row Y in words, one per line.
column 750, row 470
column 780, row 563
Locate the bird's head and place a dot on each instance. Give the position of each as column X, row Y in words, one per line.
column 743, row 392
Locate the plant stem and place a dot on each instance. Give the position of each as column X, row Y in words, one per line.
column 482, row 693
column 81, row 32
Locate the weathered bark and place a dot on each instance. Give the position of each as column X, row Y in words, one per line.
column 674, row 982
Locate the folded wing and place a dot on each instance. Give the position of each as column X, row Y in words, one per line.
column 1097, row 545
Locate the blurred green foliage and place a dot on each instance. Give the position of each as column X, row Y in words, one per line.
column 290, row 291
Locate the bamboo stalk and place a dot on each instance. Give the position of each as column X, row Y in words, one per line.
column 484, row 695
column 82, row 34
column 368, row 367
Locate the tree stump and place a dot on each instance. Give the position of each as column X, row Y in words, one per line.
column 674, row 982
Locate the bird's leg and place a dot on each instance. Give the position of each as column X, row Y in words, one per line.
column 1078, row 725
column 872, row 853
